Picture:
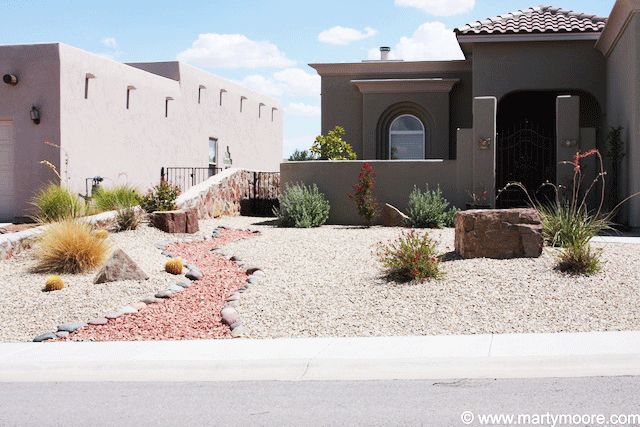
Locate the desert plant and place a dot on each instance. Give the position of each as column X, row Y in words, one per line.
column 412, row 257
column 101, row 233
column 332, row 146
column 363, row 195
column 70, row 246
column 162, row 197
column 429, row 209
column 127, row 219
column 173, row 266
column 53, row 283
column 111, row 199
column 54, row 203
column 579, row 259
column 302, row 207
column 301, row 156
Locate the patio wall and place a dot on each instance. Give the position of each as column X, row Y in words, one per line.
column 394, row 180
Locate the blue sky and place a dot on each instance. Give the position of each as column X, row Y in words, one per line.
column 265, row 44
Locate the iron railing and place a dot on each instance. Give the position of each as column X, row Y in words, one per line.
column 187, row 177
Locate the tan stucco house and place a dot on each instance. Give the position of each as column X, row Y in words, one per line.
column 535, row 87
column 123, row 122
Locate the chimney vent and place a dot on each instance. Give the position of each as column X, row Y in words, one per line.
column 384, row 53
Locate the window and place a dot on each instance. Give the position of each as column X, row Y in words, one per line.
column 200, row 88
column 213, row 152
column 87, row 77
column 222, row 92
column 166, row 105
column 260, row 109
column 242, row 99
column 406, row 138
column 129, row 89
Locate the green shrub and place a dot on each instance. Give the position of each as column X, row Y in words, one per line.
column 332, row 146
column 429, row 209
column 301, row 156
column 579, row 259
column 302, row 207
column 412, row 257
column 127, row 219
column 363, row 196
column 162, row 197
column 55, row 203
column 111, row 199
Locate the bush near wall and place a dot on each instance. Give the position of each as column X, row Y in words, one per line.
column 302, row 207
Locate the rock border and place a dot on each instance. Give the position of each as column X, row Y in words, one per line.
column 192, row 274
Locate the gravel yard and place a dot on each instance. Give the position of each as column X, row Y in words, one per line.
column 326, row 282
column 26, row 311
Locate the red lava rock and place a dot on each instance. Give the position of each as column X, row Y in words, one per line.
column 191, row 314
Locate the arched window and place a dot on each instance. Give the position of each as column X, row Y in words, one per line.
column 406, row 138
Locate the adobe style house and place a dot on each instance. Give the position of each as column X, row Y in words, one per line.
column 123, row 122
column 535, row 87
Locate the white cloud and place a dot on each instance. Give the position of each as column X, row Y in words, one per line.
column 289, row 82
column 345, row 35
column 432, row 41
column 110, row 42
column 439, row 7
column 302, row 109
column 212, row 50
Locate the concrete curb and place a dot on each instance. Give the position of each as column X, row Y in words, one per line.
column 379, row 358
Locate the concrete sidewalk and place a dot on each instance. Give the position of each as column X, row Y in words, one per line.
column 437, row 357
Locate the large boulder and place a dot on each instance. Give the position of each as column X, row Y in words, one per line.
column 120, row 267
column 179, row 221
column 392, row 216
column 500, row 233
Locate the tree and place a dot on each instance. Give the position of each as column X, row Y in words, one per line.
column 301, row 156
column 332, row 146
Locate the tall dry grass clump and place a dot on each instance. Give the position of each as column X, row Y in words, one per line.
column 70, row 246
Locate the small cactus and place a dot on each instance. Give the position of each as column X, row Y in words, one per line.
column 101, row 234
column 53, row 283
column 173, row 266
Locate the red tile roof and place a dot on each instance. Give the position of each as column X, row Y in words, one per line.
column 536, row 20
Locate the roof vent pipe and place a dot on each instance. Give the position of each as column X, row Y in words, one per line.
column 384, row 53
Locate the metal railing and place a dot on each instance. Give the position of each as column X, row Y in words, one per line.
column 187, row 177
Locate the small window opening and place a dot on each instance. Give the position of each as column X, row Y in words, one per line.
column 222, row 92
column 242, row 99
column 87, row 77
column 273, row 113
column 200, row 88
column 166, row 105
column 260, row 110
column 129, row 89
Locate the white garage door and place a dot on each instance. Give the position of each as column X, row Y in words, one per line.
column 7, row 190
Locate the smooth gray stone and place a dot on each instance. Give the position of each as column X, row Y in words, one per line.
column 175, row 289
column 62, row 334
column 127, row 309
column 230, row 315
column 151, row 300
column 113, row 314
column 183, row 284
column 233, row 297
column 44, row 337
column 194, row 275
column 253, row 280
column 99, row 321
column 164, row 294
column 239, row 332
column 71, row 326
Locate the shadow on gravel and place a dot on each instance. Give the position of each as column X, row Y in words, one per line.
column 450, row 256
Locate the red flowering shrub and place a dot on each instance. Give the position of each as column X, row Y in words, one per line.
column 363, row 194
column 412, row 257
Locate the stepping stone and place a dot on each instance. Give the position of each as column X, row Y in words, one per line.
column 71, row 326
column 99, row 321
column 151, row 300
column 230, row 315
column 164, row 294
column 113, row 315
column 44, row 337
column 127, row 309
column 62, row 334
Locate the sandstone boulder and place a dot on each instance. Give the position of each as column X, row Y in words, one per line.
column 180, row 221
column 500, row 234
column 119, row 267
column 392, row 216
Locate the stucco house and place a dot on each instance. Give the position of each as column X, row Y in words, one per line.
column 536, row 86
column 123, row 122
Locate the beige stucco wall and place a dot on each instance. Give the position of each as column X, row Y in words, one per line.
column 343, row 104
column 623, row 106
column 100, row 136
column 38, row 71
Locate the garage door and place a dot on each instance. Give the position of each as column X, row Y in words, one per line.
column 7, row 190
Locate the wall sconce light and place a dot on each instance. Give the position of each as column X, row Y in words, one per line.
column 484, row 143
column 35, row 114
column 10, row 79
column 570, row 142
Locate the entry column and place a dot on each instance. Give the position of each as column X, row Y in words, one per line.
column 484, row 147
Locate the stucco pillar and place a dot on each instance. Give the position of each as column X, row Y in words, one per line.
column 567, row 136
column 484, row 147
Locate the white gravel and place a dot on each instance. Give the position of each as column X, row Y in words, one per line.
column 326, row 282
column 26, row 311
